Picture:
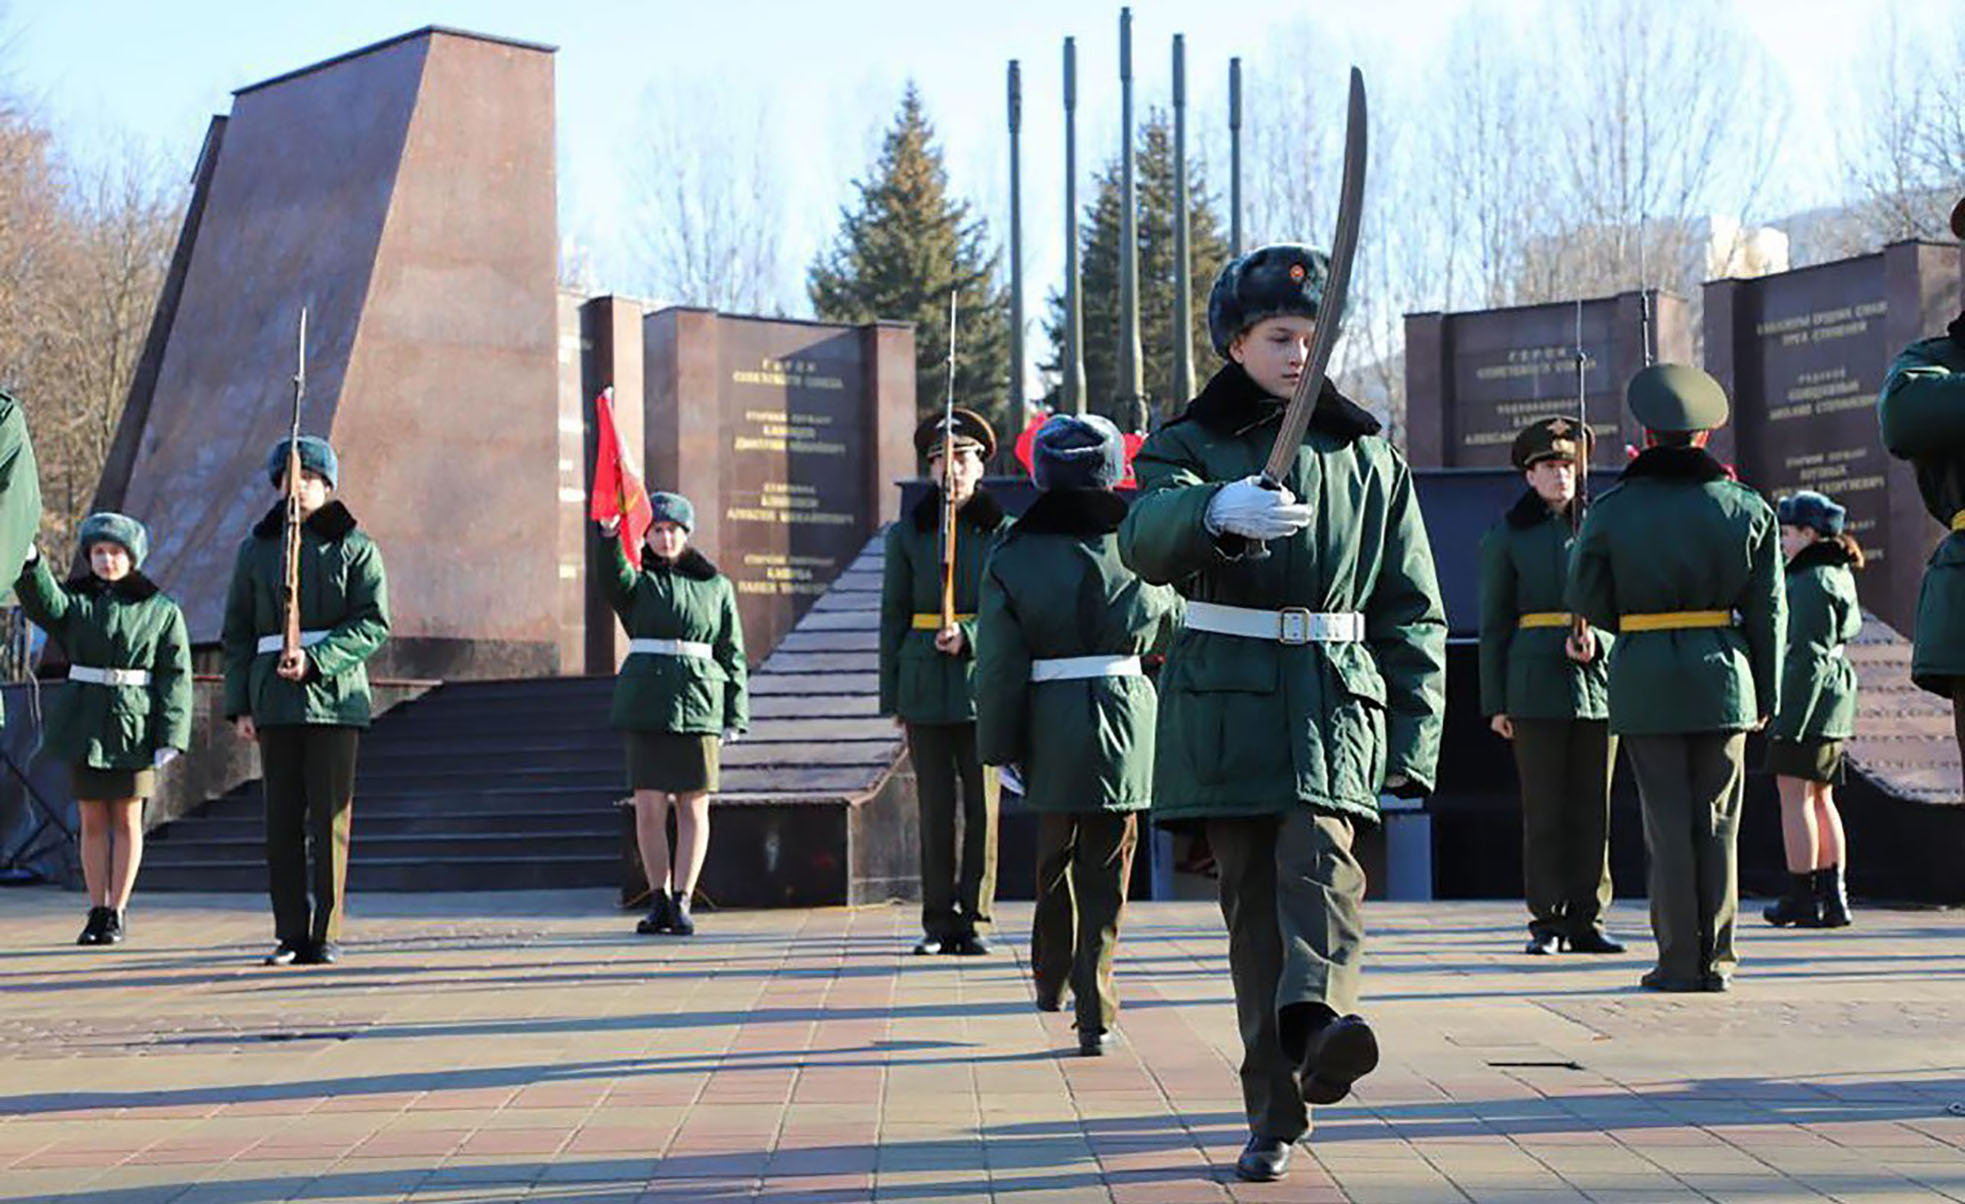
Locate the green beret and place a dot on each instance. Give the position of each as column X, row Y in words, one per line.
column 672, row 508
column 110, row 527
column 970, row 429
column 1549, row 439
column 1675, row 398
column 315, row 456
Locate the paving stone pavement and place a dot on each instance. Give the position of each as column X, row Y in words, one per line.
column 528, row 1046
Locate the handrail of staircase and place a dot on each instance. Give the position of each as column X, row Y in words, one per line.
column 401, row 683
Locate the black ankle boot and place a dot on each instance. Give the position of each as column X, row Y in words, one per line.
column 680, row 922
column 1797, row 907
column 1831, row 897
column 658, row 918
column 112, row 927
column 92, row 930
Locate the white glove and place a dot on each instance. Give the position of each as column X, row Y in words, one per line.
column 164, row 757
column 1011, row 777
column 1248, row 509
column 610, row 527
column 732, row 734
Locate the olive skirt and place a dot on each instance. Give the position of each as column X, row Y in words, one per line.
column 1809, row 760
column 676, row 762
column 110, row 785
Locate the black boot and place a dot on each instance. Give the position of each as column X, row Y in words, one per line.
column 1797, row 907
column 1831, row 897
column 658, row 918
column 92, row 930
column 112, row 927
column 679, row 921
column 1263, row 1160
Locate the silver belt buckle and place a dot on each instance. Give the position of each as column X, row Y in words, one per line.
column 1293, row 625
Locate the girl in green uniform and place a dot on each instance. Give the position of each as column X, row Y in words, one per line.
column 680, row 694
column 126, row 710
column 1818, row 707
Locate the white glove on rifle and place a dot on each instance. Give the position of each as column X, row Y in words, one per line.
column 1248, row 509
column 732, row 734
column 163, row 757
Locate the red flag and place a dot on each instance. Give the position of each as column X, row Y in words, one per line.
column 618, row 491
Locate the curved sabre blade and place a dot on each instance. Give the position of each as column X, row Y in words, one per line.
column 1330, row 313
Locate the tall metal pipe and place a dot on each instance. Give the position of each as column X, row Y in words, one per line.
column 1235, row 155
column 1017, row 395
column 1074, row 310
column 1183, row 323
column 1131, row 400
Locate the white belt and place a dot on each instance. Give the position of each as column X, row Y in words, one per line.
column 109, row 677
column 1069, row 668
column 1290, row 625
column 273, row 643
column 671, row 647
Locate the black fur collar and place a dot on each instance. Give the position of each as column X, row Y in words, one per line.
column 691, row 564
column 1077, row 512
column 1530, row 510
column 1231, row 403
column 134, row 587
column 1693, row 464
column 981, row 511
column 1829, row 552
column 330, row 522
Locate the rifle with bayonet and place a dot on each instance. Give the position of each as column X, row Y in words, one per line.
column 948, row 479
column 290, row 563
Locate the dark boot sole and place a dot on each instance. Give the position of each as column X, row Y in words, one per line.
column 1347, row 1055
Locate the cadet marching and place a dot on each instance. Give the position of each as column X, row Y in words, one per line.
column 1303, row 636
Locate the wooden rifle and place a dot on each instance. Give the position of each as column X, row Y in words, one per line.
column 948, row 480
column 290, row 576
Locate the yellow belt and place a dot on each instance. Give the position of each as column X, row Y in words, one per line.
column 1543, row 618
column 1958, row 521
column 1675, row 620
column 934, row 622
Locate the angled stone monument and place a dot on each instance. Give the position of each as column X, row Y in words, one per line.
column 404, row 193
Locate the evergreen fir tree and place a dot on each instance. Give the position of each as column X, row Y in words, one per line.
column 1099, row 260
column 897, row 254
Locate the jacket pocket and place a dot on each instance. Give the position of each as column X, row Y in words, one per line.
column 1230, row 712
column 1357, row 752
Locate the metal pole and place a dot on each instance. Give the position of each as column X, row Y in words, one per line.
column 1017, row 395
column 1074, row 312
column 1235, row 155
column 1131, row 402
column 1183, row 323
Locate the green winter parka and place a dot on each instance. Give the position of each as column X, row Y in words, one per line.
column 1252, row 727
column 1526, row 672
column 20, row 493
column 1818, row 684
column 1922, row 410
column 125, row 624
column 1055, row 587
column 687, row 599
column 1675, row 534
column 344, row 594
column 918, row 683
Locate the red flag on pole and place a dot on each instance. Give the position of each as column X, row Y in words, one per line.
column 618, row 490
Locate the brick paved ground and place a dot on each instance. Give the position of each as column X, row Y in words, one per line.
column 507, row 1047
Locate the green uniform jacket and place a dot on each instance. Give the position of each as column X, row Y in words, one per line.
column 1923, row 414
column 343, row 592
column 1818, row 684
column 20, row 492
column 918, row 683
column 1055, row 587
column 127, row 624
column 1255, row 727
column 684, row 600
column 1525, row 672
column 1675, row 534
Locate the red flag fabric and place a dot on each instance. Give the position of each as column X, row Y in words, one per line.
column 1028, row 440
column 618, row 489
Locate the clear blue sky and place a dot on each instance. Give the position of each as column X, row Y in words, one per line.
column 828, row 72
